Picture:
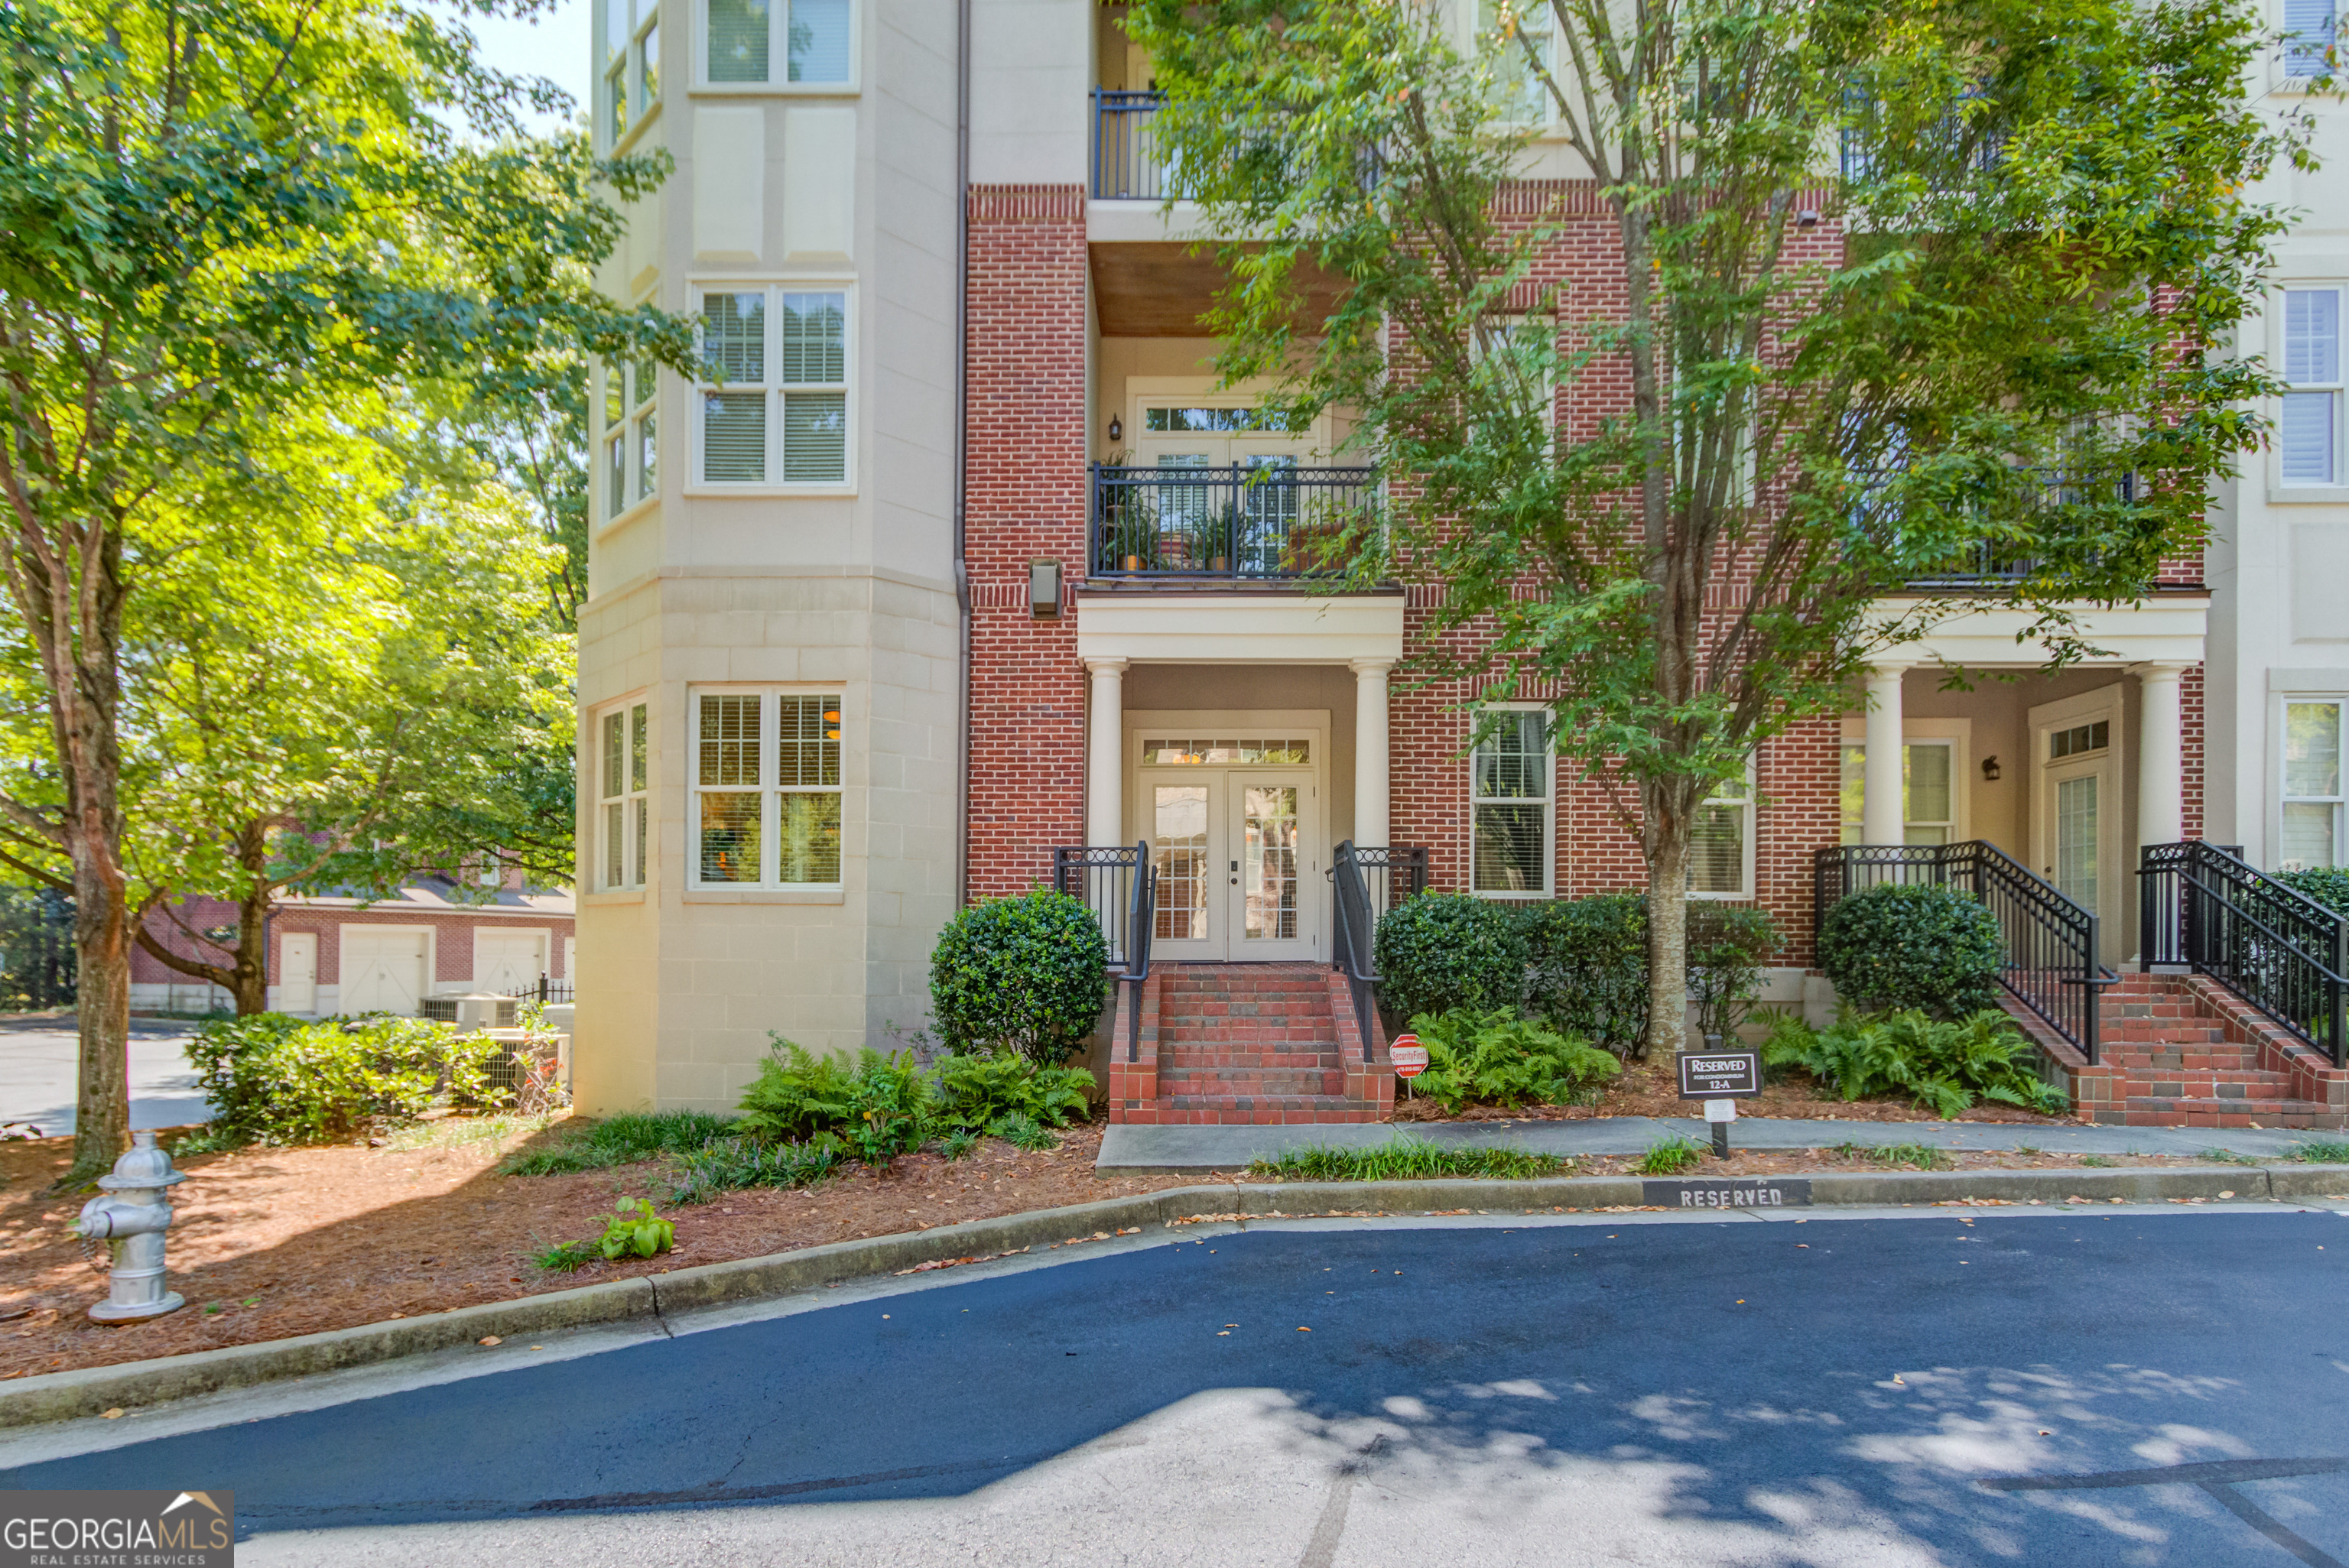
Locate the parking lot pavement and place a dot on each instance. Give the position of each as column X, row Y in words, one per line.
column 37, row 1055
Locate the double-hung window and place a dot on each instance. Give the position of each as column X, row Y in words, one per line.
column 2312, row 783
column 2308, row 37
column 1510, row 774
column 2309, row 435
column 1509, row 27
column 1720, row 840
column 774, row 401
column 766, row 787
column 631, row 438
column 621, row 838
column 811, row 37
column 1928, row 791
column 631, row 64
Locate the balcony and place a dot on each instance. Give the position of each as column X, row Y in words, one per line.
column 1249, row 522
column 1991, row 561
column 1127, row 164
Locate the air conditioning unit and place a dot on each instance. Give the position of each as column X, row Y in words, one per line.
column 474, row 1010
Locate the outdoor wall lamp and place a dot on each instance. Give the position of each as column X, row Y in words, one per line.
column 1990, row 770
column 1116, row 428
column 1807, row 219
column 1044, row 587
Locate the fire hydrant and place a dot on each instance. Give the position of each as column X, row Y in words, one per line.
column 132, row 1218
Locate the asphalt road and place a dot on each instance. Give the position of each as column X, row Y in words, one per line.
column 39, row 1067
column 1836, row 1391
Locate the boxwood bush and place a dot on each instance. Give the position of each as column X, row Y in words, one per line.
column 1587, row 967
column 277, row 1079
column 1444, row 950
column 1026, row 974
column 2328, row 885
column 1900, row 946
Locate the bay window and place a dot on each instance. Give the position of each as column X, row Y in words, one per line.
column 624, row 819
column 766, row 789
column 631, row 64
column 1509, row 775
column 631, row 435
column 774, row 399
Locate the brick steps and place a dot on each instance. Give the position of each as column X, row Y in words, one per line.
column 2147, row 1110
column 1248, row 1045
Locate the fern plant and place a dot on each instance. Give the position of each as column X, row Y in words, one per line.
column 1947, row 1067
column 1499, row 1058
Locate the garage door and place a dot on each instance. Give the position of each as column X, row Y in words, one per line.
column 506, row 961
column 383, row 971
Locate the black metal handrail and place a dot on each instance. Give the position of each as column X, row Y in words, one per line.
column 1399, row 871
column 2202, row 908
column 1128, row 165
column 2051, row 960
column 1120, row 885
column 1248, row 521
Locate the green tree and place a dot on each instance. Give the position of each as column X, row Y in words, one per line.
column 1895, row 292
column 213, row 211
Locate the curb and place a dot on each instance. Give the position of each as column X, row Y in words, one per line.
column 66, row 1396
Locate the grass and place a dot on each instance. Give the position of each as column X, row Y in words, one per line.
column 2098, row 1161
column 621, row 1140
column 1921, row 1156
column 1404, row 1159
column 731, row 1164
column 2319, row 1151
column 2227, row 1157
column 456, row 1131
column 566, row 1257
column 1670, row 1156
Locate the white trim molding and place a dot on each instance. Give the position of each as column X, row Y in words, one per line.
column 2168, row 630
column 1239, row 628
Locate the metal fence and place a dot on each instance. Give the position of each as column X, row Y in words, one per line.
column 1120, row 885
column 1367, row 881
column 545, row 990
column 2051, row 963
column 2202, row 907
column 1128, row 164
column 1248, row 520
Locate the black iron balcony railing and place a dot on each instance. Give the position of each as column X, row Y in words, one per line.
column 1128, row 164
column 2278, row 949
column 1994, row 561
column 1248, row 520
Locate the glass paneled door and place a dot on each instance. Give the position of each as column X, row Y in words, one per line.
column 2076, row 838
column 1236, row 847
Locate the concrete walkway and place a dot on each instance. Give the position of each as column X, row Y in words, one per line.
column 1128, row 1149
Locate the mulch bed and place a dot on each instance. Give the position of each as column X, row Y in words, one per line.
column 1650, row 1089
column 295, row 1241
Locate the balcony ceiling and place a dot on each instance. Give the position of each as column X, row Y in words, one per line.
column 1162, row 290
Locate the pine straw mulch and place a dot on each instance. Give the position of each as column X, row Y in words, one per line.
column 294, row 1240
column 1650, row 1089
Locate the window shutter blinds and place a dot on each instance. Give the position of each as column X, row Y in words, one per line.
column 734, row 437
column 737, row 40
column 2309, row 26
column 819, row 45
column 2312, row 336
column 815, row 436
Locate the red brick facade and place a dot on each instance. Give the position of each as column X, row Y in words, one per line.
column 452, row 937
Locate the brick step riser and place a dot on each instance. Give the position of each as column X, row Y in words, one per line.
column 1195, row 1087
column 1187, row 1060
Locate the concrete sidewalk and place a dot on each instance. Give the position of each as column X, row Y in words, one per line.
column 1133, row 1150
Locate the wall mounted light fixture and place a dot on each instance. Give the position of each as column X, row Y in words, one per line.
column 1116, row 428
column 1043, row 587
column 1990, row 770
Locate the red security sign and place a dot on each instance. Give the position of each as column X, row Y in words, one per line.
column 1409, row 1056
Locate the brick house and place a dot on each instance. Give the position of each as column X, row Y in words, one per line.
column 963, row 563
column 329, row 955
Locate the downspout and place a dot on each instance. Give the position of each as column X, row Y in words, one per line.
column 962, row 452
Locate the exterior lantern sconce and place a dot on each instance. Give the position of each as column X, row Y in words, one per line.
column 1807, row 218
column 1116, row 428
column 1990, row 770
column 1044, row 587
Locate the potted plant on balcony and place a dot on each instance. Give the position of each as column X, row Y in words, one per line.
column 1128, row 522
column 1211, row 537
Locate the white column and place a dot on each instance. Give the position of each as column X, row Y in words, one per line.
column 1105, row 759
column 2161, row 756
column 1880, row 813
column 1370, row 750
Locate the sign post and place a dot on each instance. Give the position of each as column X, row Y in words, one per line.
column 1408, row 1057
column 1720, row 1078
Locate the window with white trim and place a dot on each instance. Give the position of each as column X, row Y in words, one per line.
column 2308, row 436
column 1720, row 840
column 811, row 37
column 622, row 736
column 631, row 64
column 766, row 789
column 1518, row 90
column 1509, row 771
column 2311, row 835
column 631, row 435
column 774, row 402
column 1928, row 791
column 2307, row 27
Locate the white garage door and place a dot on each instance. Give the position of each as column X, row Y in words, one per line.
column 383, row 971
column 507, row 961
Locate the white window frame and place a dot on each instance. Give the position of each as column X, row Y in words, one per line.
column 1957, row 733
column 779, row 59
column 628, row 98
column 1748, row 802
column 627, row 445
column 1484, row 24
column 629, row 795
column 2284, row 702
column 2335, row 388
column 1548, row 803
column 769, row 788
column 777, row 392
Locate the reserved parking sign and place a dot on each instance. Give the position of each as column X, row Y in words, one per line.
column 1720, row 1075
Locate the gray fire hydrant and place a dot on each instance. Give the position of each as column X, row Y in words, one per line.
column 132, row 1218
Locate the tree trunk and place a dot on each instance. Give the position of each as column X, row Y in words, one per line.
column 245, row 977
column 102, row 1097
column 1668, row 847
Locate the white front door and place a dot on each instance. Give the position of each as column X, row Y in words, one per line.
column 2077, row 829
column 297, row 972
column 1237, row 852
column 383, row 971
column 506, row 961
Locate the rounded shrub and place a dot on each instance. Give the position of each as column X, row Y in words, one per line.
column 1587, row 967
column 1444, row 950
column 1026, row 974
column 2328, row 885
column 1897, row 946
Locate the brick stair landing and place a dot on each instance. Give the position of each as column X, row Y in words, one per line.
column 2181, row 1050
column 1245, row 1044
